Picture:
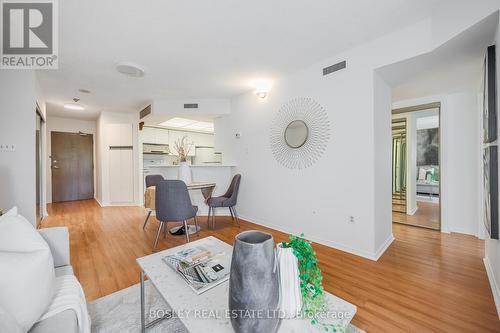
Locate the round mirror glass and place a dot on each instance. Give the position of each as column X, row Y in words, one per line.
column 296, row 134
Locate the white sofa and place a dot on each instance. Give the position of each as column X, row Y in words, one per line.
column 58, row 241
column 40, row 293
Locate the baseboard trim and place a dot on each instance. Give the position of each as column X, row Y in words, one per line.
column 413, row 211
column 381, row 250
column 493, row 284
column 319, row 240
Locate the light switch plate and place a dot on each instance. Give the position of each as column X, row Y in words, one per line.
column 7, row 147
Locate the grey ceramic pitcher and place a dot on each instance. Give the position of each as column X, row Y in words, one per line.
column 254, row 284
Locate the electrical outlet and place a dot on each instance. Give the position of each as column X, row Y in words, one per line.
column 350, row 219
column 7, row 147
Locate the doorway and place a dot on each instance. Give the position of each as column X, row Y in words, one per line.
column 39, row 214
column 72, row 164
column 416, row 167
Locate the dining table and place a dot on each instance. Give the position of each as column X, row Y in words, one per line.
column 206, row 189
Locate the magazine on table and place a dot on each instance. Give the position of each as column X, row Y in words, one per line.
column 203, row 267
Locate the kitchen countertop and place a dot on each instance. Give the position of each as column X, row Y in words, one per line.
column 193, row 166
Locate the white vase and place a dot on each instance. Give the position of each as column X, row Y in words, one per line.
column 290, row 296
column 184, row 173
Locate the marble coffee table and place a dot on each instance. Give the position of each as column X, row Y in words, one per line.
column 207, row 312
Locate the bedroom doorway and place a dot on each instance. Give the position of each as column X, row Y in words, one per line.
column 416, row 166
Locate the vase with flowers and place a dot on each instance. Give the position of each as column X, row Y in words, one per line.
column 182, row 146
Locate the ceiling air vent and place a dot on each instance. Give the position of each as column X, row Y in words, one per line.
column 334, row 68
column 191, row 106
column 144, row 112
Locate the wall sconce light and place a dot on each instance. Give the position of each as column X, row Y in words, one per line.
column 262, row 89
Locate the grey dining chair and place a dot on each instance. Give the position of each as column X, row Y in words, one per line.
column 151, row 180
column 229, row 200
column 173, row 204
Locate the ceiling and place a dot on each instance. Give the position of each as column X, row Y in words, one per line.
column 455, row 66
column 200, row 49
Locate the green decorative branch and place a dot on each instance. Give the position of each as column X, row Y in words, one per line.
column 311, row 282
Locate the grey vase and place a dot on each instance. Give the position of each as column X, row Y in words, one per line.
column 254, row 284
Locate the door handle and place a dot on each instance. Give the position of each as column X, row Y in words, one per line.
column 55, row 167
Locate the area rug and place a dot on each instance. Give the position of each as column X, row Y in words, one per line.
column 121, row 312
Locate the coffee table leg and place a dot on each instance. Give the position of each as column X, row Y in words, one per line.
column 143, row 310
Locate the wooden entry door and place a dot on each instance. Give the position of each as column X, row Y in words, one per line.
column 72, row 164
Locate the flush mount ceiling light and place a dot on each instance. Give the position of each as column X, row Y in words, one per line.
column 261, row 88
column 130, row 69
column 73, row 106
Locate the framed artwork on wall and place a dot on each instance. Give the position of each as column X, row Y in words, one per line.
column 490, row 188
column 490, row 96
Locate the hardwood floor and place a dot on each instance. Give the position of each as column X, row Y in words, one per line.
column 425, row 282
column 427, row 216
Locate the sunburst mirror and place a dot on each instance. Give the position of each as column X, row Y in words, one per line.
column 300, row 133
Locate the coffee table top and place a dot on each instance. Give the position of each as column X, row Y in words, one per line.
column 207, row 312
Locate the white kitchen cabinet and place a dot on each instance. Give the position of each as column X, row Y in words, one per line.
column 119, row 135
column 121, row 176
column 155, row 135
column 203, row 139
column 148, row 135
column 161, row 136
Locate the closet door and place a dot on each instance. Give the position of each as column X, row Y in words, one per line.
column 121, row 175
column 127, row 175
column 115, row 177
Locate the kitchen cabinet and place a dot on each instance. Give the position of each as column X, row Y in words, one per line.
column 120, row 135
column 161, row 136
column 203, row 139
column 147, row 135
column 155, row 135
column 165, row 136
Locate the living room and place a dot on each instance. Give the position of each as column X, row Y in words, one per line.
column 298, row 132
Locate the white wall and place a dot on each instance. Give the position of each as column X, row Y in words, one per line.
column 346, row 180
column 353, row 176
column 382, row 173
column 102, row 152
column 206, row 106
column 69, row 125
column 18, row 95
column 492, row 246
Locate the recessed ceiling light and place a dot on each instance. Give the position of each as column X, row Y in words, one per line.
column 85, row 91
column 130, row 69
column 72, row 106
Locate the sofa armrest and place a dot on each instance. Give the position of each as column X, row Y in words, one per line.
column 58, row 240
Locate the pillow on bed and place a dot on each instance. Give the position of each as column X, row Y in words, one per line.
column 27, row 279
column 422, row 172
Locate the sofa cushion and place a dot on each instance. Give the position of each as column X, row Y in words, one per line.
column 27, row 279
column 64, row 270
column 11, row 212
column 8, row 323
column 65, row 321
